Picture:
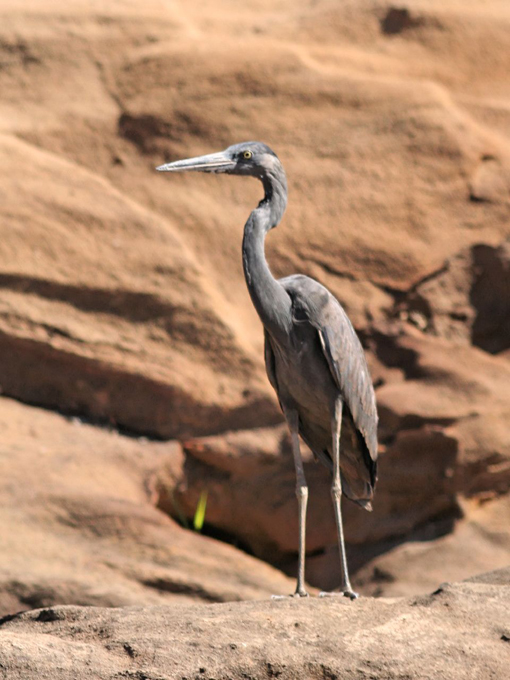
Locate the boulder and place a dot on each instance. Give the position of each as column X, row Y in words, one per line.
column 79, row 523
column 444, row 439
column 121, row 292
column 122, row 299
column 466, row 300
column 460, row 631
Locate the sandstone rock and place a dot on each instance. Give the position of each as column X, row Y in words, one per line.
column 121, row 295
column 466, row 301
column 249, row 478
column 250, row 482
column 78, row 523
column 444, row 438
column 479, row 543
column 92, row 324
column 460, row 631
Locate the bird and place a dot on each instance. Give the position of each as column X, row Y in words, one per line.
column 314, row 359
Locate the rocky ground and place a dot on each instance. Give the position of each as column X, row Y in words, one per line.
column 461, row 631
column 131, row 361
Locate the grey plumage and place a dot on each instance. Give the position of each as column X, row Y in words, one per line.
column 323, row 327
column 314, row 359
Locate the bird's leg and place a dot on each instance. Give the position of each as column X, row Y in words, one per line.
column 292, row 418
column 336, row 494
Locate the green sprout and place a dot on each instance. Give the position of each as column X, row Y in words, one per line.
column 198, row 519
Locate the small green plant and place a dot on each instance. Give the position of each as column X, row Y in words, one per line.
column 198, row 519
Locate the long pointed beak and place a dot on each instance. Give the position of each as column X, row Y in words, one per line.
column 214, row 162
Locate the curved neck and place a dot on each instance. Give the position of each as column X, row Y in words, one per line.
column 275, row 193
column 270, row 299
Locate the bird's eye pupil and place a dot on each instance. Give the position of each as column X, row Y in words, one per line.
column 247, row 154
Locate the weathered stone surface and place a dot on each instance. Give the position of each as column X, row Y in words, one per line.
column 467, row 300
column 478, row 543
column 461, row 631
column 444, row 438
column 250, row 481
column 78, row 523
column 122, row 296
column 121, row 292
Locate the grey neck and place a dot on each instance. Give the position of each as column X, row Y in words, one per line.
column 270, row 299
column 275, row 194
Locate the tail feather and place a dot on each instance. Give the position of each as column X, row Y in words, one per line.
column 357, row 469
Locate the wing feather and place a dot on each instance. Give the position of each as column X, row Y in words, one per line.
column 269, row 360
column 342, row 349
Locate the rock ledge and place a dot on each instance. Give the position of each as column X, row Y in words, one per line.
column 461, row 631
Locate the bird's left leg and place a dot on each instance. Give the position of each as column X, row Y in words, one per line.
column 336, row 494
column 292, row 417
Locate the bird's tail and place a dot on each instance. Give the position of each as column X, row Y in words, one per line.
column 365, row 501
column 353, row 476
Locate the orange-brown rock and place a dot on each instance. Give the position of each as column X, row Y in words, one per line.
column 467, row 300
column 478, row 543
column 122, row 297
column 78, row 523
column 121, row 292
column 459, row 631
column 445, row 438
column 250, row 483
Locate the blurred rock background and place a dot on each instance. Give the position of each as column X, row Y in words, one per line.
column 131, row 360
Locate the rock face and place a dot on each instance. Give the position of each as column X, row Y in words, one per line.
column 466, row 301
column 84, row 520
column 460, row 631
column 78, row 523
column 122, row 300
column 122, row 295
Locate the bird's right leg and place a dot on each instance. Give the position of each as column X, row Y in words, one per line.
column 291, row 415
column 336, row 494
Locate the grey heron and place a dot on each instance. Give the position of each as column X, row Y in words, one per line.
column 314, row 359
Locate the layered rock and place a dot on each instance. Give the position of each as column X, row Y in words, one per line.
column 460, row 631
column 122, row 297
column 121, row 291
column 78, row 523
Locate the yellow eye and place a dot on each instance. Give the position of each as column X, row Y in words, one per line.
column 247, row 154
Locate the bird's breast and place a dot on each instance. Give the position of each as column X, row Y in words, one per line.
column 303, row 376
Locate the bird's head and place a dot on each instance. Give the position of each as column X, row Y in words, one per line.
column 248, row 158
column 253, row 159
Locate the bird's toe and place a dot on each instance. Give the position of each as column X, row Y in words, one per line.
column 297, row 594
column 348, row 592
column 351, row 594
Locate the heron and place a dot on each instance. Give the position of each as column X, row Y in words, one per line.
column 314, row 359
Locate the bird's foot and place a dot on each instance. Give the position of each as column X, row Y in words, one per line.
column 346, row 592
column 298, row 594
